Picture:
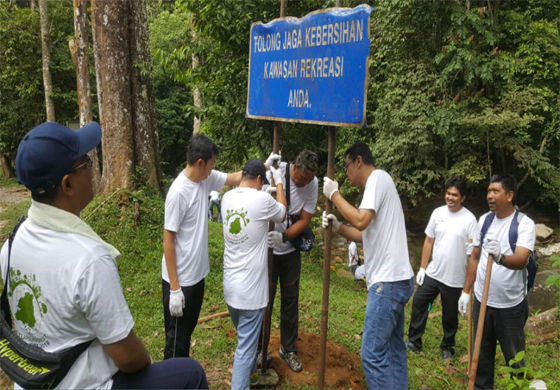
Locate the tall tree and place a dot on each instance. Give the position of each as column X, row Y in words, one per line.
column 79, row 50
column 120, row 40
column 196, row 92
column 46, row 52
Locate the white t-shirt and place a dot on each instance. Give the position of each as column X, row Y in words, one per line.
column 508, row 287
column 384, row 240
column 352, row 254
column 186, row 213
column 214, row 195
column 452, row 231
column 65, row 290
column 301, row 198
column 246, row 213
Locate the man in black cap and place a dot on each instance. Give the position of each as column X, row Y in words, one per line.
column 64, row 287
column 246, row 212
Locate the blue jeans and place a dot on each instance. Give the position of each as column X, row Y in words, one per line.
column 383, row 348
column 248, row 326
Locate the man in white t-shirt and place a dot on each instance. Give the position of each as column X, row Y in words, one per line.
column 214, row 201
column 379, row 225
column 64, row 288
column 448, row 233
column 507, row 310
column 247, row 211
column 286, row 265
column 184, row 265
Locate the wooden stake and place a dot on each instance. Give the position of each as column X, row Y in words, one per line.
column 213, row 316
column 480, row 325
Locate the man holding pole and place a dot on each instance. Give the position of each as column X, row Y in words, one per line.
column 507, row 310
column 247, row 211
column 379, row 224
column 286, row 264
column 448, row 232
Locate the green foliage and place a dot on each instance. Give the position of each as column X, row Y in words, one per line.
column 517, row 377
column 22, row 100
column 554, row 280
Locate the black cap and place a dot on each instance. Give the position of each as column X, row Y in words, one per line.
column 255, row 167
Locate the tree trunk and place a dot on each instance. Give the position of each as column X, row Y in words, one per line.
column 79, row 50
column 33, row 5
column 6, row 165
column 46, row 51
column 196, row 92
column 143, row 115
column 113, row 68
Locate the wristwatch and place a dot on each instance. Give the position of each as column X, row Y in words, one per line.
column 501, row 259
column 284, row 237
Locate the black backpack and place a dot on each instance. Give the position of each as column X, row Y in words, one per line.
column 532, row 263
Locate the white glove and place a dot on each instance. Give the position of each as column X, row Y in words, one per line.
column 335, row 223
column 277, row 176
column 464, row 303
column 470, row 247
column 274, row 239
column 271, row 190
column 329, row 187
column 420, row 276
column 270, row 160
column 176, row 302
column 492, row 247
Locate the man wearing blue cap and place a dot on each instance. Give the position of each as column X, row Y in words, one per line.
column 64, row 288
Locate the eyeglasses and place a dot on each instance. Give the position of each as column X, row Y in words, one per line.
column 349, row 162
column 87, row 164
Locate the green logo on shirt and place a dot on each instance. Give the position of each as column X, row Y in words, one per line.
column 30, row 308
column 236, row 221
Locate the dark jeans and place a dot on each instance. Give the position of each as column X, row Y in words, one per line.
column 426, row 294
column 178, row 330
column 180, row 373
column 287, row 268
column 505, row 326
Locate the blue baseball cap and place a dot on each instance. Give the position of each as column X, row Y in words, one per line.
column 48, row 152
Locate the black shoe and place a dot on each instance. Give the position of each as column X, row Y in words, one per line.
column 291, row 360
column 268, row 359
column 412, row 347
column 447, row 354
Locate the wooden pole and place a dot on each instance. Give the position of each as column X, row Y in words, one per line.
column 267, row 313
column 480, row 325
column 326, row 268
column 469, row 348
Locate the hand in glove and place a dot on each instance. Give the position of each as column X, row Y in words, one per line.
column 332, row 217
column 176, row 302
column 464, row 303
column 329, row 187
column 492, row 247
column 274, row 239
column 277, row 176
column 271, row 159
column 420, row 276
column 470, row 247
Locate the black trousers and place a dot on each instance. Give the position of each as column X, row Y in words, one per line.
column 178, row 330
column 503, row 325
column 426, row 294
column 287, row 269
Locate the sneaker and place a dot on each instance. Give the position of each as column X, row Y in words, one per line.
column 268, row 359
column 412, row 347
column 291, row 360
column 446, row 355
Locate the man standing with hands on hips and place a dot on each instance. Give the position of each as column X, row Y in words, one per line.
column 379, row 225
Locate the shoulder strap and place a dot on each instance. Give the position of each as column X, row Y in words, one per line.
column 514, row 228
column 287, row 184
column 487, row 222
column 5, row 307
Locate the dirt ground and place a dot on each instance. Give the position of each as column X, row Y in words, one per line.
column 341, row 370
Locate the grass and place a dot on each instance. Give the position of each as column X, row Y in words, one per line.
column 8, row 182
column 214, row 342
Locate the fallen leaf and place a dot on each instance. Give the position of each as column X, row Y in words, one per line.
column 128, row 289
column 357, row 337
column 156, row 333
column 207, row 327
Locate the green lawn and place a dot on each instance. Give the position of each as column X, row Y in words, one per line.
column 214, row 341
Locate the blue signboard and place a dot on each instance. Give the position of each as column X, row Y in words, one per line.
column 311, row 70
